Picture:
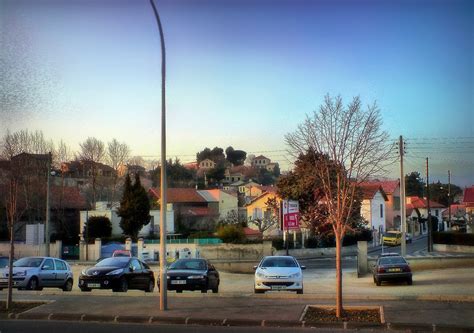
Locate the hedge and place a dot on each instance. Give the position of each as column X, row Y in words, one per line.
column 453, row 238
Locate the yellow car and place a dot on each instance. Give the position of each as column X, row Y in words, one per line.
column 392, row 238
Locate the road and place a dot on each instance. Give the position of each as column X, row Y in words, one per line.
column 350, row 262
column 26, row 326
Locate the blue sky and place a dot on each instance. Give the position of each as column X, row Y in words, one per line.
column 240, row 73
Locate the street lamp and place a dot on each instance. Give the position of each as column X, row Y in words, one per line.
column 163, row 280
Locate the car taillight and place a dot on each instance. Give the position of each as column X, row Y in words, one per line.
column 380, row 270
column 406, row 269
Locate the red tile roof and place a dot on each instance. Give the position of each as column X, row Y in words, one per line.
column 417, row 202
column 179, row 195
column 251, row 232
column 369, row 190
column 469, row 195
column 388, row 186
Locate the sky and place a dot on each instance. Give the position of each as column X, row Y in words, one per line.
column 240, row 73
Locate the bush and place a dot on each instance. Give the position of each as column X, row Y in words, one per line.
column 231, row 234
column 311, row 243
column 201, row 234
column 453, row 238
column 98, row 227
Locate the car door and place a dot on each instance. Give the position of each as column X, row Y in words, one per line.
column 136, row 275
column 61, row 272
column 212, row 275
column 47, row 273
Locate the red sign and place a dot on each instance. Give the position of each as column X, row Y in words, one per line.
column 290, row 215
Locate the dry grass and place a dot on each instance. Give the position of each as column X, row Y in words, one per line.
column 315, row 314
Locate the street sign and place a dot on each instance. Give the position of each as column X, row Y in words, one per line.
column 291, row 215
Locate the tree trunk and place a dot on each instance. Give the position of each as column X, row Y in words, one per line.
column 10, row 268
column 338, row 276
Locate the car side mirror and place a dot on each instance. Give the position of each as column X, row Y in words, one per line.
column 255, row 268
column 303, row 267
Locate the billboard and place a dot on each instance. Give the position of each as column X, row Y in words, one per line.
column 291, row 213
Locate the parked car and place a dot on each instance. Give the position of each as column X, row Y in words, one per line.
column 118, row 274
column 122, row 253
column 4, row 262
column 390, row 267
column 392, row 238
column 278, row 273
column 192, row 274
column 35, row 273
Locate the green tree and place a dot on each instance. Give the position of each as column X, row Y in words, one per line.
column 236, row 157
column 134, row 208
column 216, row 155
column 414, row 184
column 439, row 192
column 176, row 175
column 231, row 233
column 98, row 227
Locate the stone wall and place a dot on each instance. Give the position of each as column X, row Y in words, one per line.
column 26, row 250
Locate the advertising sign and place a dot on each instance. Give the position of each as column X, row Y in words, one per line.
column 291, row 215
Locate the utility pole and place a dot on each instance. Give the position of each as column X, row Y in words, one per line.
column 402, row 199
column 48, row 190
column 449, row 199
column 163, row 279
column 430, row 234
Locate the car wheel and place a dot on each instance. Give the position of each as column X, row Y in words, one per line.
column 32, row 284
column 85, row 289
column 410, row 281
column 259, row 291
column 179, row 291
column 215, row 290
column 123, row 285
column 203, row 291
column 378, row 282
column 300, row 292
column 68, row 285
column 151, row 286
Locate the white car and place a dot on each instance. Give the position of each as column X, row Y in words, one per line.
column 278, row 273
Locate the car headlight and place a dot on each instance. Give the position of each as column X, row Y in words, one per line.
column 261, row 275
column 115, row 272
column 196, row 277
column 84, row 271
column 295, row 275
column 21, row 273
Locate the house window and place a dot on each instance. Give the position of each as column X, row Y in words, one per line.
column 257, row 213
column 396, row 203
column 381, row 210
column 437, row 213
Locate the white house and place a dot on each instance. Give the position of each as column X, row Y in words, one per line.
column 111, row 214
column 373, row 206
column 228, row 201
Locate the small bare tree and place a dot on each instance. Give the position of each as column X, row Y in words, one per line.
column 117, row 154
column 270, row 219
column 354, row 147
column 92, row 152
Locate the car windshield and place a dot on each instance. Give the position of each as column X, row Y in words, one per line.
column 189, row 264
column 3, row 262
column 279, row 262
column 392, row 261
column 28, row 262
column 115, row 262
column 391, row 234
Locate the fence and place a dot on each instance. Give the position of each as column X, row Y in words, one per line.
column 198, row 241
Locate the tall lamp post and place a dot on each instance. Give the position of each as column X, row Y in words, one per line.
column 48, row 190
column 163, row 280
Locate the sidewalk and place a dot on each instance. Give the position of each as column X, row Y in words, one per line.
column 266, row 310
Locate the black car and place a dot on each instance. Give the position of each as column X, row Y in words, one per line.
column 192, row 274
column 118, row 274
column 390, row 267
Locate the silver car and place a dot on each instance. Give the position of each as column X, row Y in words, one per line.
column 35, row 273
column 278, row 273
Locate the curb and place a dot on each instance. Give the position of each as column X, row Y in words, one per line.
column 237, row 322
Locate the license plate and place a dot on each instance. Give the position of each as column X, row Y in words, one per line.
column 394, row 270
column 178, row 281
column 93, row 285
column 278, row 287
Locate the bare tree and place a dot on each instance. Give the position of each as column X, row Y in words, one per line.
column 92, row 152
column 24, row 141
column 354, row 147
column 117, row 153
column 270, row 219
column 137, row 160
